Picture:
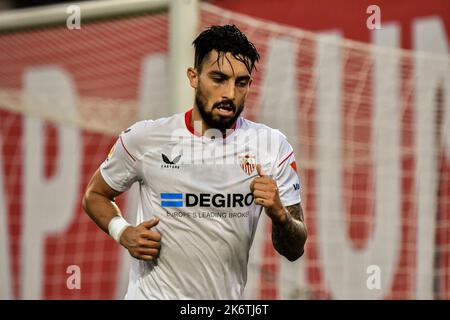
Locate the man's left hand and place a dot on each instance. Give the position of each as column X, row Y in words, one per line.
column 265, row 193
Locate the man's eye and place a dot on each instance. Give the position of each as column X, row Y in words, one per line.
column 218, row 80
column 242, row 83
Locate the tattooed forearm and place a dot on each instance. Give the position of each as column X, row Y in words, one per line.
column 289, row 237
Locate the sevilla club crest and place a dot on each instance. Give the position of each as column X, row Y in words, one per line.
column 248, row 163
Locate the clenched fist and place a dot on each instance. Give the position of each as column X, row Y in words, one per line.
column 265, row 193
column 142, row 242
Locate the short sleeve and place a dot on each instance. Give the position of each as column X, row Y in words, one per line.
column 286, row 175
column 119, row 169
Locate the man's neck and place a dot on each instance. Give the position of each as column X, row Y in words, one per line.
column 200, row 126
column 197, row 122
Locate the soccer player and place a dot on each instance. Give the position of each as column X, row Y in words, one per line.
column 204, row 178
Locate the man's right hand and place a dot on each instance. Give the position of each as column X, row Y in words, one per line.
column 142, row 242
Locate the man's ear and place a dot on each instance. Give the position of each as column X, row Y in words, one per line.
column 192, row 75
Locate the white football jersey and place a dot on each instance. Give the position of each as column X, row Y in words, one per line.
column 199, row 186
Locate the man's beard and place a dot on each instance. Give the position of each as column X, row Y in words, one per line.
column 217, row 122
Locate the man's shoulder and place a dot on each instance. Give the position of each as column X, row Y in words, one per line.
column 251, row 125
column 140, row 135
column 275, row 141
column 144, row 127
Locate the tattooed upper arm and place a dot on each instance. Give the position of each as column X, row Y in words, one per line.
column 296, row 212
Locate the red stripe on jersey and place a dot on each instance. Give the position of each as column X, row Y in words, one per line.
column 121, row 141
column 287, row 157
column 187, row 121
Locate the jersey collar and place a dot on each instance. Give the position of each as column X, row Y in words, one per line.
column 187, row 121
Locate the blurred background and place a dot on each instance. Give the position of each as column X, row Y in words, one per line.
column 361, row 89
column 14, row 4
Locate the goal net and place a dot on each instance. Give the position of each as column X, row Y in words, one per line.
column 64, row 97
column 369, row 125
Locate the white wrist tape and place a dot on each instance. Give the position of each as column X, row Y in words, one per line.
column 116, row 227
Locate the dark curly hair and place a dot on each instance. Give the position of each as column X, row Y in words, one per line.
column 223, row 39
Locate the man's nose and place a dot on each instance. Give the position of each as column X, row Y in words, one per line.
column 229, row 92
